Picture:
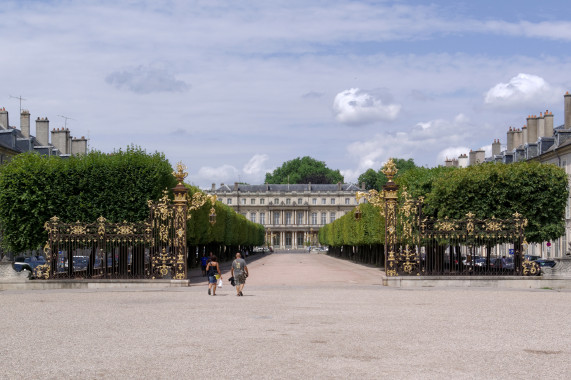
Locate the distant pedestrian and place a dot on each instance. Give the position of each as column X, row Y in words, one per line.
column 203, row 263
column 239, row 272
column 213, row 269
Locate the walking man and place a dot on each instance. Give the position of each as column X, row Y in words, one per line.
column 239, row 272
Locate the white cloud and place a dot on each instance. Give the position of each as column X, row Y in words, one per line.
column 255, row 166
column 451, row 152
column 521, row 90
column 222, row 174
column 438, row 139
column 356, row 107
column 146, row 79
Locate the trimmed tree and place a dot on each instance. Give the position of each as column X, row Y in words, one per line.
column 34, row 188
column 304, row 170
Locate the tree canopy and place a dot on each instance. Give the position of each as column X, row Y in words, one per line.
column 537, row 191
column 230, row 229
column 33, row 188
column 304, row 170
column 375, row 180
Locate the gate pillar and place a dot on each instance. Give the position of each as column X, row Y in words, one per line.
column 180, row 206
column 390, row 196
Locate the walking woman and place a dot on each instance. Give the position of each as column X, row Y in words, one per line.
column 213, row 269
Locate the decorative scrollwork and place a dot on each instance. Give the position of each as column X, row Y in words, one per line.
column 446, row 225
column 390, row 170
column 125, row 229
column 530, row 268
column 78, row 229
column 180, row 174
column 163, row 263
column 493, row 225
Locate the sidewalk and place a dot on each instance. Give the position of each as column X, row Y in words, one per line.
column 302, row 316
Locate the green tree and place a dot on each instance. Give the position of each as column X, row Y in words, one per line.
column 370, row 178
column 304, row 170
column 376, row 179
column 34, row 188
column 537, row 191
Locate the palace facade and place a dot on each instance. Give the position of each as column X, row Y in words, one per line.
column 291, row 214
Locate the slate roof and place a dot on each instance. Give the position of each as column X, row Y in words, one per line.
column 284, row 188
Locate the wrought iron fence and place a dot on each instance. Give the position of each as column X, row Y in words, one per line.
column 468, row 246
column 153, row 249
column 417, row 245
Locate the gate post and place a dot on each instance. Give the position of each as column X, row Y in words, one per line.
column 390, row 190
column 180, row 205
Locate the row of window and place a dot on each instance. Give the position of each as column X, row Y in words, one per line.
column 288, row 217
column 262, row 201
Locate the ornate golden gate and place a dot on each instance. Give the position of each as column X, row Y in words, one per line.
column 154, row 249
column 417, row 245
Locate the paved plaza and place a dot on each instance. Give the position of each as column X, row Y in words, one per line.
column 302, row 316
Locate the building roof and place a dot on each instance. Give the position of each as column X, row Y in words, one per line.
column 284, row 188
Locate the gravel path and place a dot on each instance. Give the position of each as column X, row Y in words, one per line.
column 302, row 316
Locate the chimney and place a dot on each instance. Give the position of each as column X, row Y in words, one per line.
column 309, row 186
column 25, row 123
column 496, row 148
column 540, row 126
column 532, row 129
column 362, row 185
column 548, row 124
column 567, row 110
column 3, row 118
column 338, row 186
column 510, row 138
column 60, row 140
column 463, row 160
column 524, row 135
column 447, row 162
column 518, row 138
column 471, row 158
column 69, row 142
column 480, row 156
column 79, row 146
column 213, row 187
column 43, row 131
column 235, row 186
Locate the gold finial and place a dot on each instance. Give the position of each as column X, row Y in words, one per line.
column 390, row 170
column 180, row 173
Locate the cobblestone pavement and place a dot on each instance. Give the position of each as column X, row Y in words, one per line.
column 302, row 316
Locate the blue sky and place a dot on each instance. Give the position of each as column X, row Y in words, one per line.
column 234, row 89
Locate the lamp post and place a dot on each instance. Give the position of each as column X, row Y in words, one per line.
column 386, row 202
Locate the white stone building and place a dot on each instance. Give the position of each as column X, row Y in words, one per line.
column 291, row 214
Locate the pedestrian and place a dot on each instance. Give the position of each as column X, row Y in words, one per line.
column 213, row 269
column 239, row 272
column 204, row 262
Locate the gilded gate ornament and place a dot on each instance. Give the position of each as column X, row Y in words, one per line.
column 154, row 248
column 407, row 233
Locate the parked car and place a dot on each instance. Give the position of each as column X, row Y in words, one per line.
column 27, row 263
column 79, row 262
column 545, row 263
